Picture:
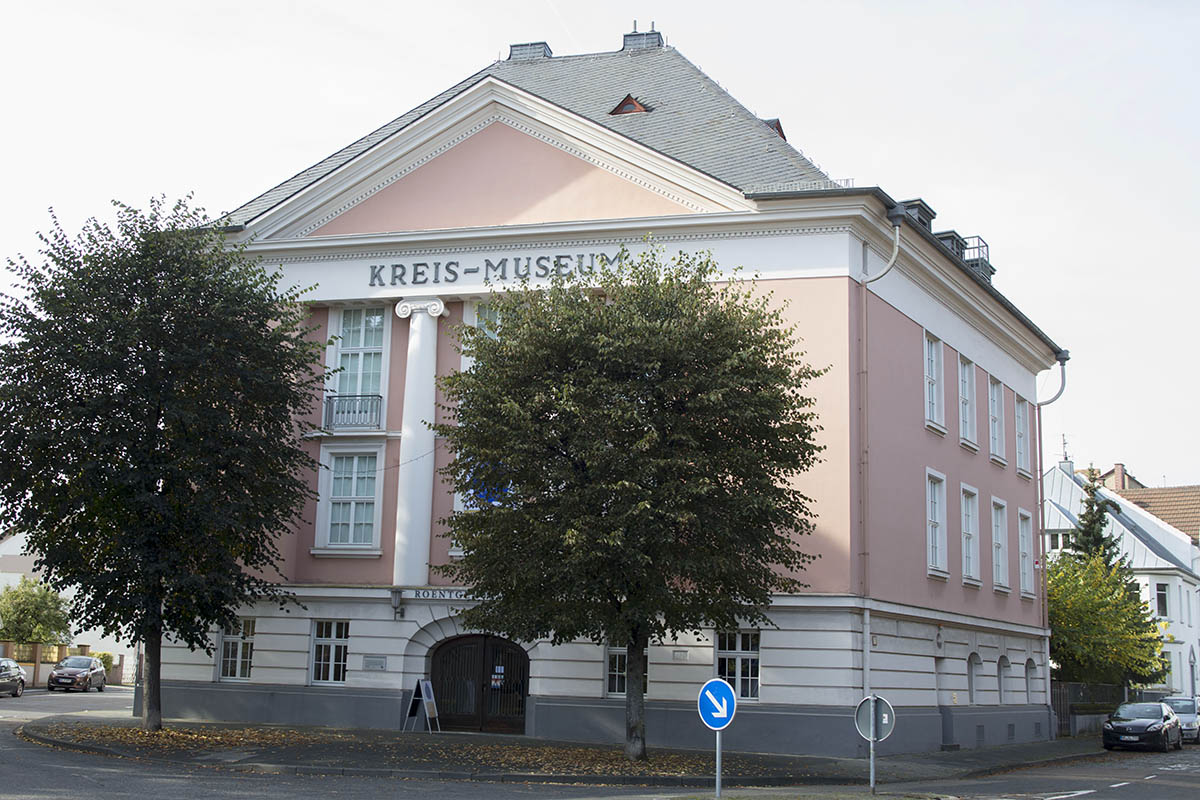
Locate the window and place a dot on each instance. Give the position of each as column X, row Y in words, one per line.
column 737, row 661
column 357, row 401
column 1021, row 428
column 1025, row 542
column 618, row 664
column 935, row 522
column 237, row 650
column 934, row 412
column 349, row 509
column 1161, row 594
column 966, row 401
column 330, row 647
column 996, row 418
column 999, row 544
column 970, row 534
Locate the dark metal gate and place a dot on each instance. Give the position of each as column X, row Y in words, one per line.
column 480, row 683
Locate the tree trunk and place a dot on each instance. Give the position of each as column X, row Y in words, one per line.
column 152, row 686
column 635, row 698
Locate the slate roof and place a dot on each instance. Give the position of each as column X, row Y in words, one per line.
column 1178, row 506
column 692, row 119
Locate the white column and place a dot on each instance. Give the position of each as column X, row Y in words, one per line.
column 414, row 501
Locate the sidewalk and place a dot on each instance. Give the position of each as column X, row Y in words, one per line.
column 488, row 757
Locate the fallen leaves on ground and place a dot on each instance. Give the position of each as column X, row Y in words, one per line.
column 380, row 749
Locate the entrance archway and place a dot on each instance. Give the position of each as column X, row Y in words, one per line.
column 480, row 683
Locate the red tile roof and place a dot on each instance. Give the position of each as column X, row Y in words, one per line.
column 1178, row 506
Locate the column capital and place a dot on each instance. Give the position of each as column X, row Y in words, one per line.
column 434, row 306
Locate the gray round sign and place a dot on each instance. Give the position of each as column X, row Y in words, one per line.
column 885, row 718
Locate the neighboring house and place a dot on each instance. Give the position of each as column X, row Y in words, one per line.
column 925, row 590
column 1165, row 560
column 14, row 565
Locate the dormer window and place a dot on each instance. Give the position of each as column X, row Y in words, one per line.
column 628, row 106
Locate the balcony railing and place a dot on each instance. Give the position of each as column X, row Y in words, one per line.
column 353, row 411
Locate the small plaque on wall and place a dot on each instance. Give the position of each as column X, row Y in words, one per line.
column 375, row 663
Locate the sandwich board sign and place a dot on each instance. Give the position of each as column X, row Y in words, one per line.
column 423, row 701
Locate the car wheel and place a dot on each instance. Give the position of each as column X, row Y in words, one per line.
column 49, row 688
column 20, row 690
column 100, row 688
column 1165, row 744
column 1179, row 742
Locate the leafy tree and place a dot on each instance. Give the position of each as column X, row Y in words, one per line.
column 151, row 380
column 1091, row 537
column 1100, row 633
column 631, row 439
column 32, row 613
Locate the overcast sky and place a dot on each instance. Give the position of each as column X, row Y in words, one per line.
column 1065, row 134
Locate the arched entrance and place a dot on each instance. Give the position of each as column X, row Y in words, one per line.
column 480, row 683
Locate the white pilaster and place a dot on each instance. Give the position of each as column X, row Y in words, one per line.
column 414, row 501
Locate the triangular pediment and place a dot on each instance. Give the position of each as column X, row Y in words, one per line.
column 495, row 156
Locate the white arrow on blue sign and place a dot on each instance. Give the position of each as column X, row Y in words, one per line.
column 717, row 704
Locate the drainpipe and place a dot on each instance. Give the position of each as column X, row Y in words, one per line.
column 1062, row 356
column 895, row 215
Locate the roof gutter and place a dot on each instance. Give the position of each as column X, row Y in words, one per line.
column 1060, row 354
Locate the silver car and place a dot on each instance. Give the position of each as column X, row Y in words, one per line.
column 1186, row 709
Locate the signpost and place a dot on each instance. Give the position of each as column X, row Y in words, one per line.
column 875, row 719
column 717, row 703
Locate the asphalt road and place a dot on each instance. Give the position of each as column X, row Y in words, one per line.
column 33, row 772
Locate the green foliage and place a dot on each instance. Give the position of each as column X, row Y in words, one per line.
column 1091, row 538
column 32, row 613
column 1100, row 632
column 632, row 439
column 151, row 382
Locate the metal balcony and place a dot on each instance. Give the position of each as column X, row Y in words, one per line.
column 353, row 411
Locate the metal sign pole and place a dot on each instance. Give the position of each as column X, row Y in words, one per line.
column 718, row 763
column 872, row 744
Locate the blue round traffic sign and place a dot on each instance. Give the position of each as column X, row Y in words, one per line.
column 717, row 704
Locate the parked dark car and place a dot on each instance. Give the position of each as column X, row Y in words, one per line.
column 12, row 677
column 1186, row 709
column 1152, row 725
column 77, row 672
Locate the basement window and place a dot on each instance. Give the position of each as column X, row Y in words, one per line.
column 628, row 106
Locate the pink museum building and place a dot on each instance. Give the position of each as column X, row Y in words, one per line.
column 926, row 591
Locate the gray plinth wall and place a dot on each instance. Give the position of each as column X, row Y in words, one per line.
column 758, row 727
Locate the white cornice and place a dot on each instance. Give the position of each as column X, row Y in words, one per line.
column 488, row 101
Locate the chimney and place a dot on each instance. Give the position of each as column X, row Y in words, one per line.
column 529, row 51
column 642, row 41
column 955, row 243
column 1119, row 478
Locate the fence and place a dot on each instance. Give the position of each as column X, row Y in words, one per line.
column 1075, row 703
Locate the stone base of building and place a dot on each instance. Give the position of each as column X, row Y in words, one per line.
column 762, row 728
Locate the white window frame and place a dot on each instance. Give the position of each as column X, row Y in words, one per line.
column 333, row 353
column 746, row 657
column 968, row 417
column 334, row 641
column 935, row 401
column 1162, row 608
column 1025, row 545
column 1000, row 536
column 329, row 451
column 996, row 419
column 1021, row 430
column 243, row 651
column 968, row 501
column 936, row 559
column 620, row 656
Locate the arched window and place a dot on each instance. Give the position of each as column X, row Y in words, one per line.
column 974, row 666
column 1030, row 678
column 1002, row 666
